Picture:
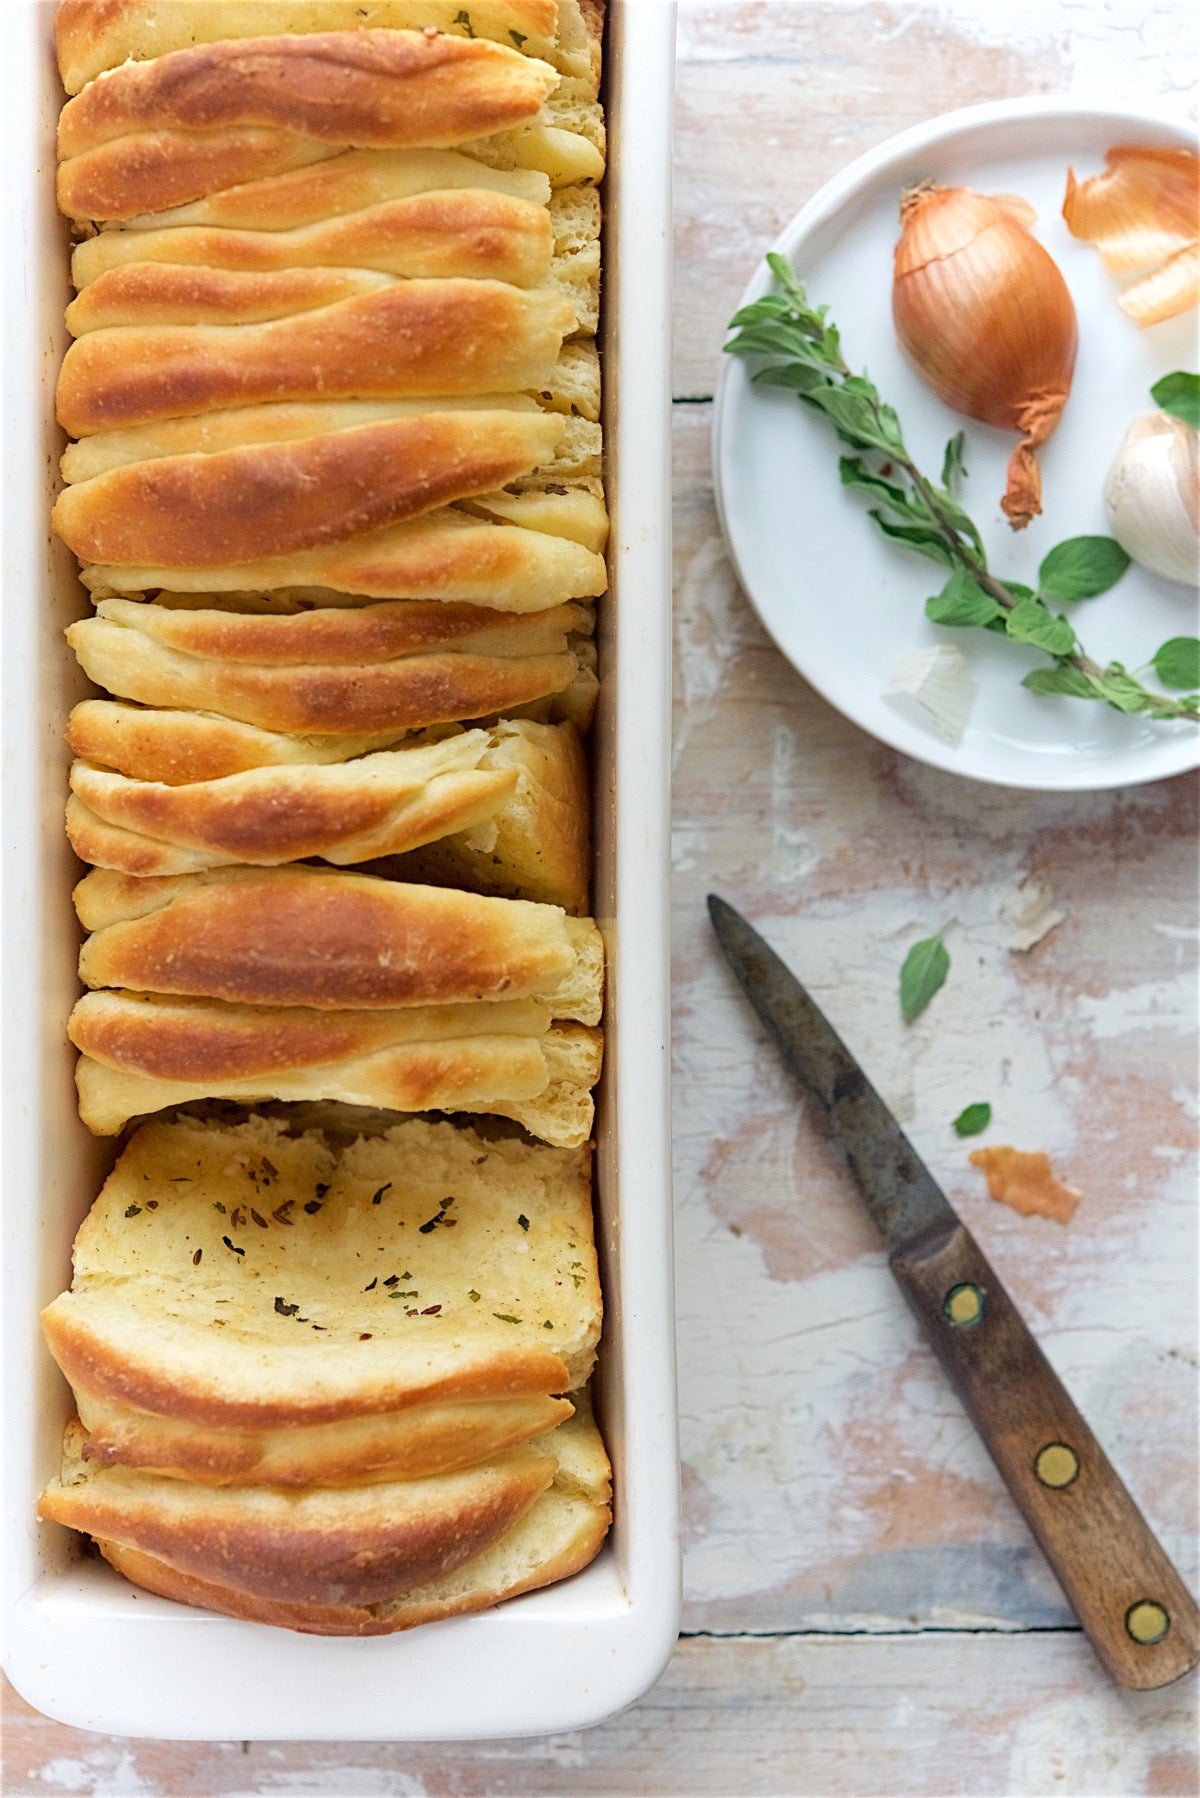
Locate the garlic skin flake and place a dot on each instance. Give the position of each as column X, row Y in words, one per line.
column 1152, row 497
column 934, row 687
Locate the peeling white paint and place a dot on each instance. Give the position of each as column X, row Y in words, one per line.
column 1154, row 1005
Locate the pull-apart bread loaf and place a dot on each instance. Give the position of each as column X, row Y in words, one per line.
column 253, row 1305
column 508, row 805
column 363, row 1560
column 290, row 983
column 336, row 488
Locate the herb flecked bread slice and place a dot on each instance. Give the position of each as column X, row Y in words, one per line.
column 557, row 1536
column 254, row 1303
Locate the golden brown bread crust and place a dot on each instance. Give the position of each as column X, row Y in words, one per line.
column 340, row 636
column 93, row 35
column 472, row 233
column 444, row 555
column 181, row 748
column 417, row 337
column 410, row 1444
column 301, row 936
column 143, row 1053
column 409, row 692
column 428, row 1605
column 357, row 1544
column 388, row 89
column 318, row 192
column 202, row 511
column 275, row 815
column 160, row 294
column 165, row 168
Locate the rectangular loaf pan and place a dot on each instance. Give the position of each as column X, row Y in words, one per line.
column 79, row 1643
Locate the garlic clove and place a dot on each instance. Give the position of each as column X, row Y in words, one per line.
column 1152, row 497
column 1171, row 289
column 934, row 687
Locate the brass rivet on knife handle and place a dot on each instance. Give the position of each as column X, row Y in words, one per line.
column 1138, row 1614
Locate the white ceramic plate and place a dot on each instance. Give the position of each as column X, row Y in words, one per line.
column 843, row 604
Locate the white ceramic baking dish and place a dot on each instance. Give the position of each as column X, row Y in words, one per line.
column 80, row 1644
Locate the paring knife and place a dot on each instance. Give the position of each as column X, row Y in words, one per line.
column 1140, row 1617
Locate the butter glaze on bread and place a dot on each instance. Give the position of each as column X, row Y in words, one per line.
column 203, row 1379
column 237, row 505
column 306, row 936
column 139, row 1328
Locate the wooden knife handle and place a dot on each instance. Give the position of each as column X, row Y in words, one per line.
column 1140, row 1617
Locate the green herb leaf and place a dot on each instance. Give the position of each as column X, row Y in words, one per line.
column 1177, row 663
column 1064, row 679
column 925, row 969
column 464, row 18
column 1081, row 567
column 518, row 37
column 856, row 474
column 973, row 1118
column 926, row 539
column 1030, row 622
column 794, row 375
column 1121, row 690
column 1179, row 394
column 953, row 466
column 962, row 601
column 133, row 1211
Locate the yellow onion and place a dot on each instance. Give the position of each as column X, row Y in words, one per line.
column 984, row 315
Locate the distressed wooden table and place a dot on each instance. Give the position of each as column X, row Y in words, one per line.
column 865, row 1612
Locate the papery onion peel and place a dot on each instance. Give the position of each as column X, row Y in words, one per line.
column 1143, row 213
column 984, row 315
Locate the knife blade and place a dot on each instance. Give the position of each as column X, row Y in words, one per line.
column 1137, row 1612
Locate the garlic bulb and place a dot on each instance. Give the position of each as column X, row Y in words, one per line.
column 934, row 687
column 1152, row 497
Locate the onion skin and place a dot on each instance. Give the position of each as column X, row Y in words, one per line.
column 985, row 317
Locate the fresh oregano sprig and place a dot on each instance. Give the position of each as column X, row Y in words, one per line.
column 800, row 349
